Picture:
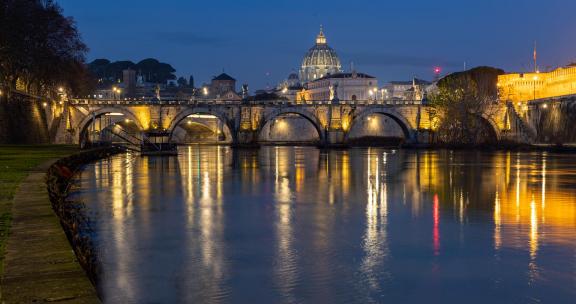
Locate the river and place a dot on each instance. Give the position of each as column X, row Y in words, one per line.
column 303, row 225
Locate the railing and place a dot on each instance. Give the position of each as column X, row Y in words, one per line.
column 208, row 102
column 549, row 99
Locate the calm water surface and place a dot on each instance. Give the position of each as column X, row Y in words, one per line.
column 300, row 225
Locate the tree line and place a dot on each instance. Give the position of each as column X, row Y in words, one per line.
column 152, row 70
column 40, row 49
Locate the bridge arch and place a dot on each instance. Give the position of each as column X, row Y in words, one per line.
column 471, row 129
column 405, row 125
column 92, row 115
column 309, row 116
column 107, row 110
column 491, row 124
column 228, row 128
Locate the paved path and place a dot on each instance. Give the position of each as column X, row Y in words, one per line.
column 40, row 265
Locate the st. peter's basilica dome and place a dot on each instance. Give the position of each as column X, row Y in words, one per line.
column 320, row 61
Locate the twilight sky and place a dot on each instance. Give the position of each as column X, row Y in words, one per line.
column 260, row 42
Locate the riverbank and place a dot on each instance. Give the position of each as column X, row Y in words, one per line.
column 16, row 162
column 38, row 264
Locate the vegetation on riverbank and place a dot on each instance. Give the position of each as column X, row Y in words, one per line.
column 15, row 164
column 463, row 105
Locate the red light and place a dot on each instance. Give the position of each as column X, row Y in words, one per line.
column 436, row 219
column 437, row 70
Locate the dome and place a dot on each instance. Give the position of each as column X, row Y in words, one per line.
column 321, row 55
column 319, row 61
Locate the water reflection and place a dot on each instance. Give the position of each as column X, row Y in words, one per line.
column 375, row 244
column 286, row 256
column 293, row 225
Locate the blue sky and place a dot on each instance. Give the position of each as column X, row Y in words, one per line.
column 261, row 42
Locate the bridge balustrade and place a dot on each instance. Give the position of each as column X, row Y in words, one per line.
column 207, row 102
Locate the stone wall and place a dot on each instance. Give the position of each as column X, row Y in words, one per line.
column 23, row 121
column 554, row 121
column 71, row 213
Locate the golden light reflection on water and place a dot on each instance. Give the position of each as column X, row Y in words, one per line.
column 497, row 223
column 375, row 242
column 202, row 187
column 522, row 201
column 286, row 269
column 533, row 202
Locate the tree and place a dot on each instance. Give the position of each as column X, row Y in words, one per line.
column 155, row 71
column 99, row 68
column 39, row 47
column 108, row 72
column 182, row 82
column 191, row 81
column 464, row 105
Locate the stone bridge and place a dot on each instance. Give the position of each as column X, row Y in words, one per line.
column 246, row 123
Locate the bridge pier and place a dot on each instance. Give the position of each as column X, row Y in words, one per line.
column 334, row 138
column 246, row 138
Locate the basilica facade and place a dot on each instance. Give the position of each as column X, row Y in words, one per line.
column 321, row 78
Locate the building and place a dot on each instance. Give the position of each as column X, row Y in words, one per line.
column 518, row 87
column 290, row 87
column 404, row 90
column 222, row 86
column 319, row 61
column 343, row 86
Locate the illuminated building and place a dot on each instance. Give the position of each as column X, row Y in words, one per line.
column 344, row 86
column 520, row 87
column 322, row 79
column 320, row 61
column 223, row 86
column 290, row 87
column 405, row 90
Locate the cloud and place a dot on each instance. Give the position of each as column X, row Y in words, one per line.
column 404, row 60
column 190, row 39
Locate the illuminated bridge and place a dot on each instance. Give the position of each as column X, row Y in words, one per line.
column 86, row 121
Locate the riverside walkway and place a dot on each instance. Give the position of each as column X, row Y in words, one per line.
column 40, row 265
